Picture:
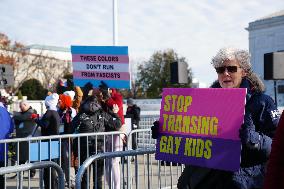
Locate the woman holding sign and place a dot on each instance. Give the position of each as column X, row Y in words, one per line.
column 234, row 71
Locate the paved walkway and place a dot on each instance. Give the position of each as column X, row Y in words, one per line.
column 168, row 176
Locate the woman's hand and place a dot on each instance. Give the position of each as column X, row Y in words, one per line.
column 249, row 137
column 115, row 108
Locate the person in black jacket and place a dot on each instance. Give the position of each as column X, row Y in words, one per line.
column 50, row 121
column 25, row 126
column 49, row 124
column 260, row 121
column 92, row 119
column 133, row 112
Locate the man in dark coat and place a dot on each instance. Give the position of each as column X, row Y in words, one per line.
column 25, row 126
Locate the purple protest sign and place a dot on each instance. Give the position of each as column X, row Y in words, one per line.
column 201, row 126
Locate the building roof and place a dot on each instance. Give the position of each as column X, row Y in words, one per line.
column 276, row 14
column 46, row 47
column 274, row 19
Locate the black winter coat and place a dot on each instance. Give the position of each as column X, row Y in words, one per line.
column 49, row 123
column 133, row 112
column 261, row 118
column 92, row 119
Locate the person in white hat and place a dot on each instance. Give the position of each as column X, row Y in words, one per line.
column 70, row 93
column 49, row 124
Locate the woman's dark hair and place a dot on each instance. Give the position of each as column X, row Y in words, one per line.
column 90, row 105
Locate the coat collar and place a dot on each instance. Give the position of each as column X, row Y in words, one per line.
column 244, row 84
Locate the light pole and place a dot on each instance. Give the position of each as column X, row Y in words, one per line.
column 114, row 9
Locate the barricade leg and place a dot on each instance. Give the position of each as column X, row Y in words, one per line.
column 20, row 179
column 41, row 178
column 83, row 156
column 112, row 165
column 65, row 160
column 50, row 184
column 98, row 172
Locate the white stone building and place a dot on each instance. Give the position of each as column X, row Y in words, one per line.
column 45, row 63
column 61, row 53
column 56, row 62
column 266, row 35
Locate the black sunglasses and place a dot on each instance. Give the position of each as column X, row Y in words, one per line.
column 231, row 69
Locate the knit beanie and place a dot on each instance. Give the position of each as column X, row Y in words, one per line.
column 65, row 101
column 51, row 101
column 70, row 93
column 130, row 101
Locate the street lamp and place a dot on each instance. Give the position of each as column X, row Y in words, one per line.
column 114, row 9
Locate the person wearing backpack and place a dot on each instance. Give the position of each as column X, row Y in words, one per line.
column 109, row 97
column 133, row 112
column 92, row 119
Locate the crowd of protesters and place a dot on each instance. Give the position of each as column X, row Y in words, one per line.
column 91, row 111
column 82, row 110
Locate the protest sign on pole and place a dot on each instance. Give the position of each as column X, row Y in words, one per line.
column 101, row 63
column 201, row 127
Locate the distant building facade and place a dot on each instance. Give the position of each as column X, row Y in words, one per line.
column 44, row 63
column 56, row 62
column 266, row 35
column 61, row 53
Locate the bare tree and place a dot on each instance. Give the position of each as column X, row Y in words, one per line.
column 45, row 68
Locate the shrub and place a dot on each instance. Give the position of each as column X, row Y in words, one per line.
column 33, row 89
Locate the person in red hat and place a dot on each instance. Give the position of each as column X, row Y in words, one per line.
column 67, row 113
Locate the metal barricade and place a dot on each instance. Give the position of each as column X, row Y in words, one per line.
column 140, row 138
column 59, row 148
column 36, row 165
column 169, row 172
column 146, row 121
column 90, row 160
column 142, row 172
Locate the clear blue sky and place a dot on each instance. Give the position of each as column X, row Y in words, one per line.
column 195, row 29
